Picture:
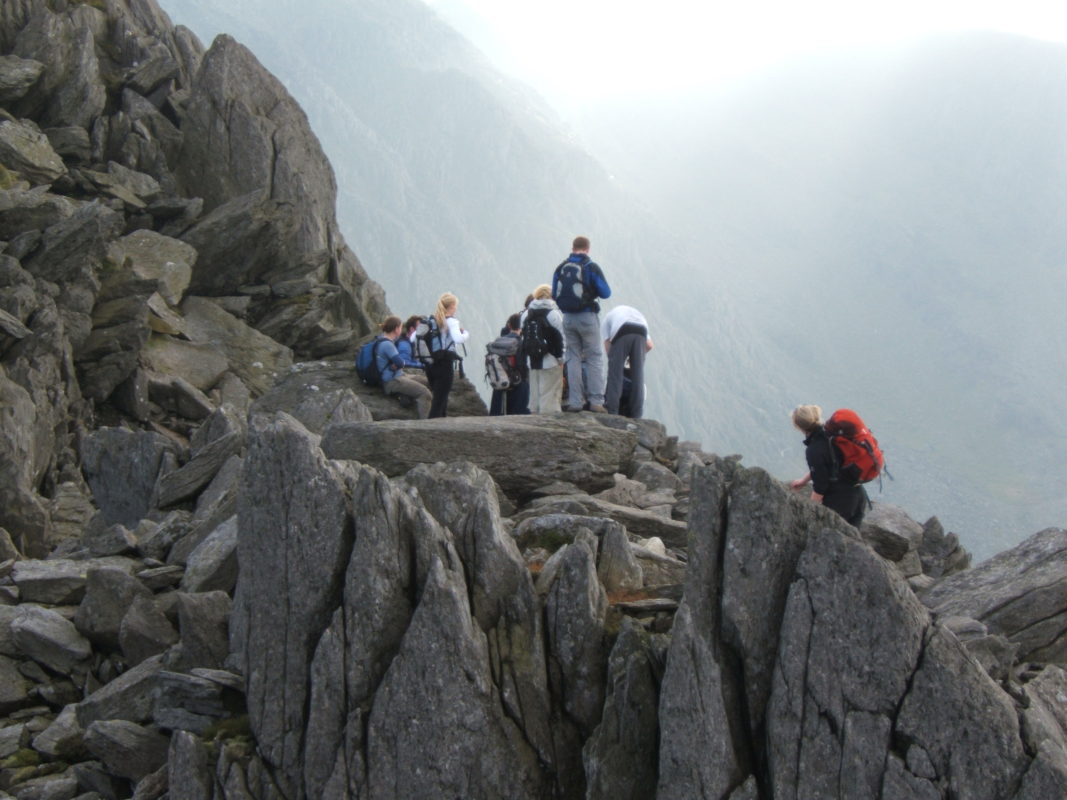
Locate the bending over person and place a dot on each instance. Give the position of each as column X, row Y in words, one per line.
column 847, row 498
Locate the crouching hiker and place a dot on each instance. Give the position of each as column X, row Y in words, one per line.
column 387, row 364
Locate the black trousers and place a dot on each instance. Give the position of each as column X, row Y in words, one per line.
column 440, row 375
column 848, row 501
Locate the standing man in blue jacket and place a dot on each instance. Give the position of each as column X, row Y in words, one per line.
column 577, row 284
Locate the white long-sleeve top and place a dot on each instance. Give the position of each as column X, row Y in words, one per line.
column 454, row 334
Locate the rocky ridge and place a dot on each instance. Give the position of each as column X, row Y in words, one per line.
column 231, row 571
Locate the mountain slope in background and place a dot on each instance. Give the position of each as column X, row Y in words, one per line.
column 896, row 220
column 451, row 177
column 848, row 232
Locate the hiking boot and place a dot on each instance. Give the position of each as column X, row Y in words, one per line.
column 598, row 409
column 572, row 409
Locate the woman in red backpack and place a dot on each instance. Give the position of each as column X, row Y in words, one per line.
column 848, row 498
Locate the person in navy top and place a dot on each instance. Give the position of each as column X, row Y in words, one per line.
column 577, row 283
column 391, row 365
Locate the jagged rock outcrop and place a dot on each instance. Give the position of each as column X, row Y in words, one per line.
column 1020, row 594
column 267, row 580
column 521, row 453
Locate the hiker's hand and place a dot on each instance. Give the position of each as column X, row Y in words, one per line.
column 816, row 497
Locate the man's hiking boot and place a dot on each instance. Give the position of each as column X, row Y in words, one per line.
column 598, row 409
column 572, row 409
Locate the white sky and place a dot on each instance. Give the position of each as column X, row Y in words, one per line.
column 579, row 50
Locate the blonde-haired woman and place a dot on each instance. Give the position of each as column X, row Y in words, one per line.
column 546, row 369
column 441, row 372
column 827, row 486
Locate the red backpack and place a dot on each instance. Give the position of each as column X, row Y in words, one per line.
column 861, row 458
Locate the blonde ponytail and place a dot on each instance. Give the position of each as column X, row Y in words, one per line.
column 446, row 301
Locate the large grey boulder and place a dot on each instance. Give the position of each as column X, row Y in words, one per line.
column 49, row 638
column 638, row 522
column 17, row 75
column 145, row 631
column 22, row 512
column 568, row 448
column 255, row 358
column 27, row 151
column 36, row 209
column 122, row 468
column 204, row 624
column 55, row 582
column 385, row 591
column 575, row 611
column 129, row 696
column 620, row 756
column 152, row 256
column 213, row 564
column 71, row 89
column 126, row 748
column 274, row 200
column 1020, row 593
column 109, row 593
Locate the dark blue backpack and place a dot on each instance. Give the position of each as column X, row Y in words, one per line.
column 367, row 363
column 572, row 294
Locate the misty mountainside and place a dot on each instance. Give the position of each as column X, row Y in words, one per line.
column 230, row 570
column 451, row 177
column 893, row 221
column 817, row 235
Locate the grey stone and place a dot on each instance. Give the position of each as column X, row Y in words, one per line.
column 620, row 756
column 145, row 631
column 1020, row 594
column 255, row 358
column 62, row 786
column 213, row 564
column 198, row 471
column 27, row 151
column 492, row 760
column 129, row 696
column 701, row 725
column 71, row 142
column 36, row 209
column 637, row 522
column 13, row 738
column 575, row 610
column 108, row 596
column 199, row 363
column 203, row 622
column 177, row 395
column 70, row 90
column 70, row 511
column 150, row 255
column 575, row 448
column 14, row 688
column 941, row 552
column 49, row 638
column 122, row 468
column 617, row 567
column 657, row 477
column 64, row 738
column 189, row 776
column 189, row 702
column 17, row 75
column 126, row 748
column 890, row 531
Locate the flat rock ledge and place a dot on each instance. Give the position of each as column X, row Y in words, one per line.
column 521, row 453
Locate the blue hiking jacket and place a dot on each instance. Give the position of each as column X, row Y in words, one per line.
column 593, row 277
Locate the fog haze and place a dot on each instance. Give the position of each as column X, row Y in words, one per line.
column 879, row 229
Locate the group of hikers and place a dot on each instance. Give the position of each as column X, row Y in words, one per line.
column 550, row 357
